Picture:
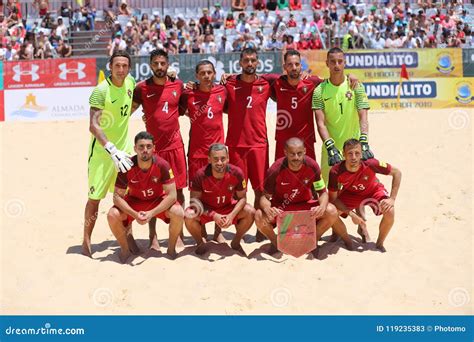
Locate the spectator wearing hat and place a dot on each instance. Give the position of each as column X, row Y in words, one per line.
column 259, row 5
column 238, row 5
column 217, row 16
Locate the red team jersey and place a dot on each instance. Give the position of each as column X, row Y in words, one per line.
column 294, row 107
column 247, row 104
column 290, row 189
column 218, row 193
column 146, row 185
column 205, row 112
column 161, row 107
column 362, row 183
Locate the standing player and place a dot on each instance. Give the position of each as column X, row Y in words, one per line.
column 341, row 113
column 110, row 103
column 353, row 184
column 247, row 96
column 160, row 95
column 291, row 184
column 221, row 188
column 204, row 106
column 146, row 191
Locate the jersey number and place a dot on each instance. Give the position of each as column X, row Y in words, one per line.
column 220, row 199
column 210, row 114
column 340, row 106
column 124, row 110
column 165, row 107
column 249, row 99
column 360, row 187
column 294, row 103
column 147, row 192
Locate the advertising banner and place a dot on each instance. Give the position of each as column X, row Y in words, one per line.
column 468, row 62
column 47, row 104
column 421, row 93
column 386, row 64
column 269, row 62
column 51, row 73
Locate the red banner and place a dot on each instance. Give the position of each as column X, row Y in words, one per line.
column 51, row 73
column 296, row 233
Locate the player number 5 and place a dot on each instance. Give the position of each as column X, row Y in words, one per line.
column 294, row 103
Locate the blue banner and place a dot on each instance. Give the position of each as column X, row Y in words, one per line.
column 237, row 328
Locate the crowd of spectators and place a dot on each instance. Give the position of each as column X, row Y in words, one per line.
column 270, row 25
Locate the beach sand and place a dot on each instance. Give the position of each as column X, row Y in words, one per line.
column 427, row 268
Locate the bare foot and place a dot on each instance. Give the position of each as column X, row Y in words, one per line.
column 219, row 238
column 154, row 244
column 203, row 232
column 315, row 252
column 201, row 249
column 364, row 234
column 238, row 247
column 171, row 253
column 86, row 248
column 259, row 237
column 349, row 245
column 123, row 256
column 272, row 250
column 381, row 248
column 132, row 245
column 334, row 237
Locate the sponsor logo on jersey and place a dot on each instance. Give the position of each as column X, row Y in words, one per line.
column 409, row 90
column 370, row 60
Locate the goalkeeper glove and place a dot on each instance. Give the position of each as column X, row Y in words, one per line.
column 366, row 152
column 334, row 156
column 122, row 160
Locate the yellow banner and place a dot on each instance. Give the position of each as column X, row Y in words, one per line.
column 386, row 64
column 421, row 93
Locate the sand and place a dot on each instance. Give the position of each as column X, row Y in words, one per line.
column 427, row 269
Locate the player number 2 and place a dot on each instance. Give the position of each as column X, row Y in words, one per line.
column 249, row 99
column 165, row 107
column 294, row 104
column 147, row 192
column 210, row 114
column 220, row 199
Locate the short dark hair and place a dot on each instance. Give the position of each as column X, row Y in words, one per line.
column 290, row 53
column 350, row 143
column 217, row 147
column 120, row 53
column 158, row 52
column 248, row 51
column 334, row 50
column 144, row 135
column 204, row 62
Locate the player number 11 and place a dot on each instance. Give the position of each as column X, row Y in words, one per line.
column 220, row 199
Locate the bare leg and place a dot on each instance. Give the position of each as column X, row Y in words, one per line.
column 324, row 223
column 132, row 244
column 90, row 217
column 115, row 217
column 194, row 227
column 176, row 215
column 245, row 221
column 218, row 237
column 384, row 228
column 265, row 227
column 180, row 199
column 362, row 231
column 259, row 237
column 339, row 229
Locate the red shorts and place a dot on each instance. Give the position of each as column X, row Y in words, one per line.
column 194, row 164
column 177, row 160
column 352, row 201
column 280, row 149
column 253, row 162
column 139, row 205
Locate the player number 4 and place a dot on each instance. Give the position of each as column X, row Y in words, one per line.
column 147, row 192
column 165, row 107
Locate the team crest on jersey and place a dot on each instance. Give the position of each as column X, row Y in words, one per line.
column 365, row 178
column 129, row 93
column 231, row 188
column 260, row 89
column 219, row 98
column 349, row 95
column 154, row 179
column 174, row 93
column 306, row 181
column 305, row 89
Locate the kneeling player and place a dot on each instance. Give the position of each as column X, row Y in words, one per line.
column 291, row 184
column 360, row 187
column 148, row 190
column 218, row 193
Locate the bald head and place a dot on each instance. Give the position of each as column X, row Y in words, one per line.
column 294, row 142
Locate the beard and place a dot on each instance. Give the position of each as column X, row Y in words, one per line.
column 249, row 70
column 159, row 73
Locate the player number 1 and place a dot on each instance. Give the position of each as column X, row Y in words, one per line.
column 340, row 106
